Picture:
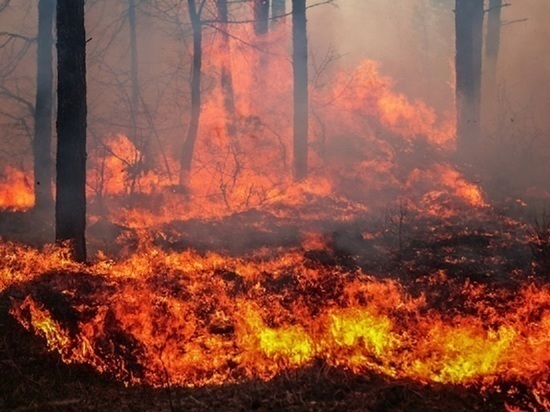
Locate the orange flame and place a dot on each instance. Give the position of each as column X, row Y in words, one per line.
column 196, row 320
column 16, row 192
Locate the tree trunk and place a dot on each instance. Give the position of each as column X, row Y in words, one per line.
column 278, row 10
column 42, row 142
column 139, row 142
column 132, row 22
column 299, row 66
column 492, row 47
column 70, row 208
column 261, row 16
column 469, row 32
column 189, row 144
column 226, row 72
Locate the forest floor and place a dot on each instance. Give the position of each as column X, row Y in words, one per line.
column 404, row 248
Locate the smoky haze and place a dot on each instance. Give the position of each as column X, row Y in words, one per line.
column 411, row 43
column 414, row 43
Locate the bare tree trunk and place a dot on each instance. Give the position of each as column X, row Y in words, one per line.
column 189, row 144
column 278, row 10
column 261, row 20
column 226, row 72
column 300, row 71
column 70, row 208
column 42, row 142
column 469, row 41
column 132, row 22
column 492, row 45
column 140, row 143
column 261, row 16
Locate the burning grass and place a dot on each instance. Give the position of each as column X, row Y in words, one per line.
column 167, row 317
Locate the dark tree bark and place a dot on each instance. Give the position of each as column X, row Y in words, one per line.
column 261, row 16
column 492, row 44
column 300, row 72
column 226, row 71
column 278, row 10
column 70, row 208
column 189, row 144
column 469, row 40
column 42, row 142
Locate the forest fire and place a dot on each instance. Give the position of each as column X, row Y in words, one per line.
column 208, row 233
column 185, row 319
column 15, row 190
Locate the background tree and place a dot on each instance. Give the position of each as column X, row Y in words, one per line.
column 189, row 144
column 469, row 40
column 492, row 42
column 43, row 108
column 300, row 76
column 70, row 210
column 226, row 70
column 278, row 9
column 141, row 143
column 261, row 16
column 132, row 24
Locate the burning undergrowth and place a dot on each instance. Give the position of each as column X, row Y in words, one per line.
column 405, row 297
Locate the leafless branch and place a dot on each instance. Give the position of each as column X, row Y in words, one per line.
column 5, row 92
column 497, row 7
column 507, row 23
column 17, row 36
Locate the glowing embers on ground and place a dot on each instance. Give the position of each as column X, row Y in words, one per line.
column 184, row 319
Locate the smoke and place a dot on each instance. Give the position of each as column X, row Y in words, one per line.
column 413, row 42
column 409, row 45
column 516, row 122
